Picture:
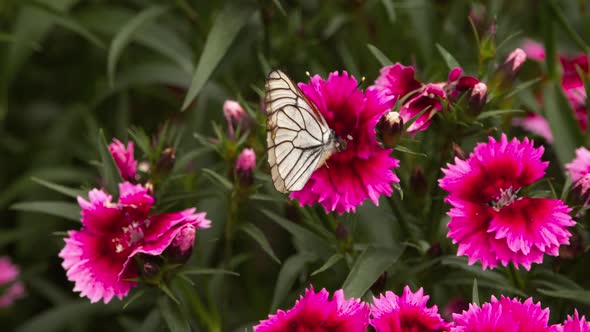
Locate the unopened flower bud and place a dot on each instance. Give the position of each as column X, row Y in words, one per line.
column 513, row 62
column 149, row 268
column 166, row 162
column 341, row 232
column 124, row 159
column 390, row 128
column 244, row 167
column 181, row 247
column 477, row 99
column 237, row 119
column 418, row 181
column 458, row 152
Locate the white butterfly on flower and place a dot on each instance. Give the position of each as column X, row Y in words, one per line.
column 298, row 138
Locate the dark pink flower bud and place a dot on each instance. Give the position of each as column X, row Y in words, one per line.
column 477, row 99
column 181, row 247
column 237, row 119
column 166, row 162
column 390, row 128
column 244, row 167
column 513, row 62
column 124, row 159
column 455, row 73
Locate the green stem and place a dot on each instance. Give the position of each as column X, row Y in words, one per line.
column 562, row 20
column 549, row 40
column 231, row 219
column 199, row 309
column 516, row 277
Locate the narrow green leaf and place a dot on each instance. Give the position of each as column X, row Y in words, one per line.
column 173, row 316
column 328, row 264
column 168, row 292
column 228, row 23
column 565, row 24
column 370, row 264
column 289, row 272
column 196, row 271
column 315, row 243
column 124, row 35
column 448, row 57
column 109, row 171
column 475, row 292
column 67, row 22
column 493, row 113
column 522, row 86
column 134, row 297
column 582, row 296
column 258, row 236
column 562, row 123
column 218, row 178
column 280, row 7
column 71, row 192
column 382, row 58
column 65, row 210
column 57, row 318
column 408, row 151
column 390, row 10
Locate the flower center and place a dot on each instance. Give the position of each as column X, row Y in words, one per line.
column 130, row 235
column 506, row 197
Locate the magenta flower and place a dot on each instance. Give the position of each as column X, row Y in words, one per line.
column 124, row 159
column 536, row 124
column 429, row 99
column 11, row 289
column 490, row 221
column 533, row 50
column 397, row 81
column 236, row 117
column 571, row 82
column 245, row 164
column 579, row 171
column 362, row 170
column 574, row 323
column 315, row 312
column 406, row 313
column 504, row 315
column 99, row 257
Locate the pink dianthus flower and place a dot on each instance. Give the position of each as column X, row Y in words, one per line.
column 406, row 313
column 12, row 288
column 364, row 168
column 574, row 323
column 315, row 312
column 579, row 171
column 490, row 221
column 124, row 158
column 99, row 257
column 504, row 315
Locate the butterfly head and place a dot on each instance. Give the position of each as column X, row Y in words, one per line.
column 341, row 143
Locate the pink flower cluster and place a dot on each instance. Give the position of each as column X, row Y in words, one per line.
column 490, row 219
column 572, row 86
column 410, row 313
column 579, row 171
column 102, row 257
column 398, row 81
column 11, row 289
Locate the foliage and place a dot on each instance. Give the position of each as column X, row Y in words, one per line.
column 75, row 74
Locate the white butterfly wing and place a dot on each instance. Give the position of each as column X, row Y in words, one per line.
column 298, row 137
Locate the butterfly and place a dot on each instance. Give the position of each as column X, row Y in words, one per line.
column 298, row 138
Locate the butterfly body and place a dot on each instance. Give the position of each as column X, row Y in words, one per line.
column 298, row 138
